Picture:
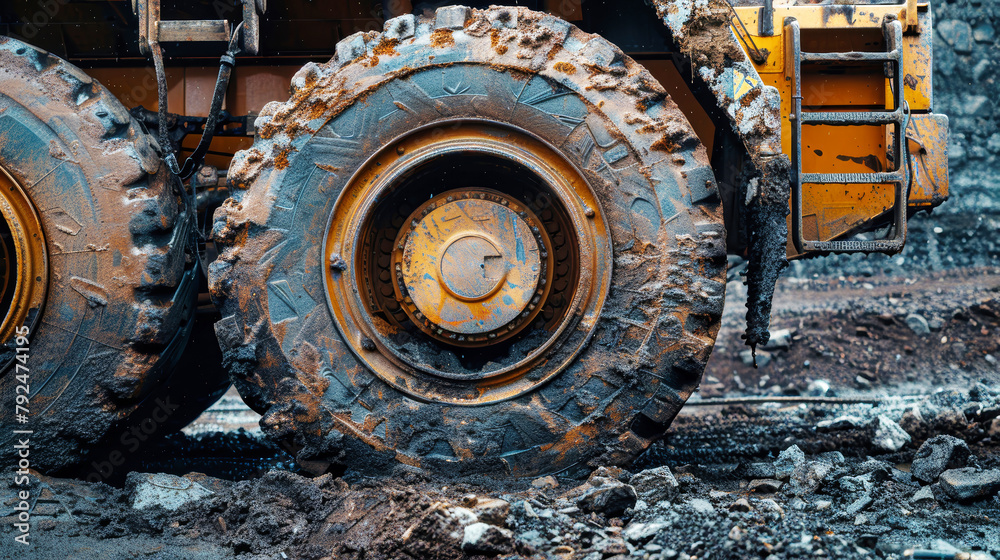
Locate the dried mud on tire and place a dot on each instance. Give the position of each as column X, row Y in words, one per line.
column 121, row 283
column 522, row 69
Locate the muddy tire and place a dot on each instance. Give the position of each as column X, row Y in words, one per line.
column 516, row 115
column 107, row 278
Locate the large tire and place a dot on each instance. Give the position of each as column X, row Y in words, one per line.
column 116, row 306
column 530, row 79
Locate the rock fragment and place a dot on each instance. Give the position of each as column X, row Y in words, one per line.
column 859, row 504
column 701, row 505
column 607, row 496
column 967, row 484
column 787, row 462
column 923, row 497
column 771, row 508
column 740, row 505
column 545, row 482
column 937, row 455
column 840, row 423
column 488, row 540
column 918, row 324
column 493, row 511
column 642, row 532
column 655, row 485
column 887, row 435
column 808, row 476
column 165, row 490
column 835, row 458
column 984, row 33
column 765, row 485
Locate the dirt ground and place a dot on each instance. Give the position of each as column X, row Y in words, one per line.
column 741, row 480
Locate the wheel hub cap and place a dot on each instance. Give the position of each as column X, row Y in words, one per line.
column 470, row 264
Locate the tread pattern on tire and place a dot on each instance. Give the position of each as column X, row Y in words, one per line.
column 614, row 400
column 118, row 233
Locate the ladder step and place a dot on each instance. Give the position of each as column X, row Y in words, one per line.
column 852, row 118
column 854, row 178
column 883, row 56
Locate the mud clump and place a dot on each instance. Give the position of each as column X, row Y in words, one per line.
column 442, row 38
column 565, row 67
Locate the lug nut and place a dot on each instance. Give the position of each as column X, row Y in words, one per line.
column 337, row 264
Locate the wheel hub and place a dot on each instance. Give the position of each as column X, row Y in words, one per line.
column 471, row 266
column 467, row 262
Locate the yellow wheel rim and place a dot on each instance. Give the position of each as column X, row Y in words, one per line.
column 25, row 267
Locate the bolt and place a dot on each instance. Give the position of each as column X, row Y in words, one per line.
column 337, row 264
column 400, row 150
column 588, row 213
column 367, row 344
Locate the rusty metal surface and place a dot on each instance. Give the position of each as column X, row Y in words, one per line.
column 852, row 28
column 405, row 362
column 192, row 30
column 154, row 30
column 928, row 138
column 835, row 211
column 645, row 176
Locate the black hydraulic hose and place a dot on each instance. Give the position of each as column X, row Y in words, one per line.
column 227, row 62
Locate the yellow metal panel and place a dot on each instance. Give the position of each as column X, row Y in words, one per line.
column 928, row 138
column 917, row 66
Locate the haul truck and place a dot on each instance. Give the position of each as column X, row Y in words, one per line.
column 470, row 239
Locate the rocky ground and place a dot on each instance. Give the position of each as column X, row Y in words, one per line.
column 777, row 481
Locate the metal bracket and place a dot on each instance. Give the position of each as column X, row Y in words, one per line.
column 251, row 25
column 758, row 55
column 911, row 23
column 153, row 29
